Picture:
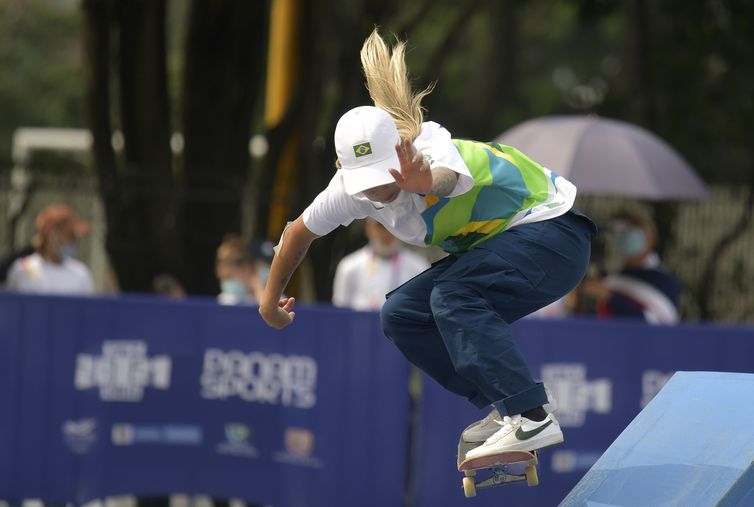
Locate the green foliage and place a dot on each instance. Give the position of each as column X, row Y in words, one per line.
column 681, row 69
column 705, row 79
column 41, row 82
column 512, row 61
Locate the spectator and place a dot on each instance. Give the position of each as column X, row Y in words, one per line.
column 643, row 288
column 52, row 268
column 235, row 270
column 364, row 277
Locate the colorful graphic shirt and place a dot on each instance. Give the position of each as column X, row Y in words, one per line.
column 509, row 189
column 498, row 188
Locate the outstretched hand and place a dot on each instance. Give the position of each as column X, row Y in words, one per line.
column 415, row 174
column 281, row 315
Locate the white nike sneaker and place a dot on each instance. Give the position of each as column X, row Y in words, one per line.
column 520, row 434
column 483, row 429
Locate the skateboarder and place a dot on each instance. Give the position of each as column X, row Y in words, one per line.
column 514, row 242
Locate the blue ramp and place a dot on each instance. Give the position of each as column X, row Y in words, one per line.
column 693, row 445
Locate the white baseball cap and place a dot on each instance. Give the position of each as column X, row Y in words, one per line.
column 365, row 140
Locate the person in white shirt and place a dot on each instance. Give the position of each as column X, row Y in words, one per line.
column 364, row 277
column 514, row 242
column 52, row 269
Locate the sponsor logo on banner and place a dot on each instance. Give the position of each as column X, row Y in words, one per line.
column 651, row 383
column 274, row 379
column 237, row 441
column 576, row 395
column 123, row 371
column 80, row 434
column 299, row 442
column 299, row 449
column 567, row 461
column 123, row 434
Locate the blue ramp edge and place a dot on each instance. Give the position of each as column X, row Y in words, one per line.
column 692, row 445
column 742, row 494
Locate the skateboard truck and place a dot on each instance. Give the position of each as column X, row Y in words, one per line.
column 498, row 467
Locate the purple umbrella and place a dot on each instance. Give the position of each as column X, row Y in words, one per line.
column 607, row 157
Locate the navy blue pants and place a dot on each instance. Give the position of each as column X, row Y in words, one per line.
column 453, row 320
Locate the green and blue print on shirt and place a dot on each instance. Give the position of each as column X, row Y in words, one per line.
column 508, row 186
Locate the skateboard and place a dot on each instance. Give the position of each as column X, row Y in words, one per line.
column 498, row 465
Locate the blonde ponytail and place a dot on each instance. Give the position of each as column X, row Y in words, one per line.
column 389, row 85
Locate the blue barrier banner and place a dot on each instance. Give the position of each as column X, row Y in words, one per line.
column 150, row 397
column 143, row 396
column 601, row 374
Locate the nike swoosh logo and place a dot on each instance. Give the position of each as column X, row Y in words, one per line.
column 525, row 435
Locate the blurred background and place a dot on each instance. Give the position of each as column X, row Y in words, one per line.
column 184, row 134
column 179, row 122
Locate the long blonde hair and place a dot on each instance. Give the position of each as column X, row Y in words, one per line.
column 389, row 86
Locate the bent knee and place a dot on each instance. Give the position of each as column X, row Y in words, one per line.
column 401, row 311
column 392, row 311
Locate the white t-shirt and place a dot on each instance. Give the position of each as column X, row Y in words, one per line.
column 34, row 274
column 402, row 217
column 363, row 278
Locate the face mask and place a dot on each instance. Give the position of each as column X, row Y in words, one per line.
column 631, row 242
column 67, row 251
column 382, row 249
column 234, row 287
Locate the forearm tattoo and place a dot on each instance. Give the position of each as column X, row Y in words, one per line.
column 443, row 181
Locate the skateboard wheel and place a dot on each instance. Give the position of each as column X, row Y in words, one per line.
column 469, row 488
column 532, row 479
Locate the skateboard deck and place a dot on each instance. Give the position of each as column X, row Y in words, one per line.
column 503, row 458
column 498, row 466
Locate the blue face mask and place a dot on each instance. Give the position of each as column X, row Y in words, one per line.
column 234, row 287
column 631, row 242
column 67, row 251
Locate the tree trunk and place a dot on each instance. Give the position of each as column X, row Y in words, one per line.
column 224, row 65
column 316, row 149
column 141, row 231
column 645, row 62
column 96, row 34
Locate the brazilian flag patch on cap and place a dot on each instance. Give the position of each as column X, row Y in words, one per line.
column 362, row 149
